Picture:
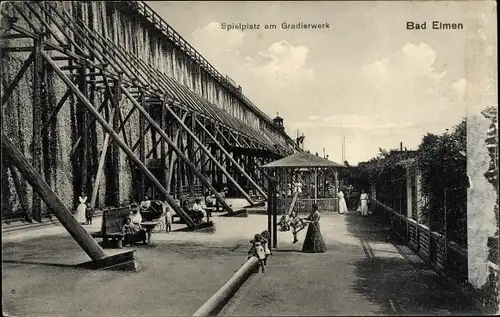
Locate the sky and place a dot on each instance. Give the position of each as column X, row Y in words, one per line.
column 366, row 77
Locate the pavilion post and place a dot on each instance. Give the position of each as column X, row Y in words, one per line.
column 316, row 185
column 275, row 223
column 271, row 197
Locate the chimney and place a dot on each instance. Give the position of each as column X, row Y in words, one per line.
column 401, row 146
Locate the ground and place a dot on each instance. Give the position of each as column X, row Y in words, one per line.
column 363, row 272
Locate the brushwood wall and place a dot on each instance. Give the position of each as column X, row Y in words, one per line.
column 62, row 163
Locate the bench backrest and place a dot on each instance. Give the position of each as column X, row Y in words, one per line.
column 114, row 219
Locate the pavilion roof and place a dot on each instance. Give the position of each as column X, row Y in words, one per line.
column 302, row 159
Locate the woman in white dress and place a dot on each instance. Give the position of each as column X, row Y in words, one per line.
column 363, row 202
column 80, row 210
column 342, row 203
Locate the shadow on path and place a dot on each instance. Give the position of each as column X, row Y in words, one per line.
column 399, row 286
column 41, row 263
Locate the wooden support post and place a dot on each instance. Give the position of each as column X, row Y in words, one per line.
column 163, row 154
column 21, row 193
column 85, row 133
column 154, row 149
column 270, row 203
column 173, row 159
column 42, row 189
column 38, row 102
column 142, row 148
column 115, row 150
column 275, row 221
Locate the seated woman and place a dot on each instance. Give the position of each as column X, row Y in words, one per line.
column 134, row 227
column 191, row 213
column 198, row 209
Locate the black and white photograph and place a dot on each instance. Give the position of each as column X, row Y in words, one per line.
column 249, row 158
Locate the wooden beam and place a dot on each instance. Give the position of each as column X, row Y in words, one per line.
column 173, row 157
column 85, row 134
column 42, row 189
column 115, row 149
column 247, row 197
column 117, row 139
column 58, row 107
column 232, row 160
column 8, row 91
column 142, row 148
column 38, row 97
column 179, row 153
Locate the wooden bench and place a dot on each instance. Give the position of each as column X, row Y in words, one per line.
column 113, row 220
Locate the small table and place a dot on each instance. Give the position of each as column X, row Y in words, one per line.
column 148, row 226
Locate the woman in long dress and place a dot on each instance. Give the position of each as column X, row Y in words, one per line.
column 363, row 203
column 342, row 203
column 313, row 242
column 81, row 210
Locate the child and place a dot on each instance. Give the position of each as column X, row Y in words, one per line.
column 258, row 250
column 168, row 220
column 89, row 212
column 128, row 231
column 265, row 241
column 284, row 223
column 297, row 224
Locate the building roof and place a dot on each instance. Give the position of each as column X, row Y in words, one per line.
column 302, row 159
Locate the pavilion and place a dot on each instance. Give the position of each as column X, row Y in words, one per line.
column 313, row 177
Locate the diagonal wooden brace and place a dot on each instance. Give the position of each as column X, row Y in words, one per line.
column 247, row 197
column 232, row 159
column 175, row 148
column 117, row 139
column 81, row 236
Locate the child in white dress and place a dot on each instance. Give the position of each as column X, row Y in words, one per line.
column 258, row 250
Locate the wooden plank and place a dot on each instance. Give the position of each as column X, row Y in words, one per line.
column 42, row 190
